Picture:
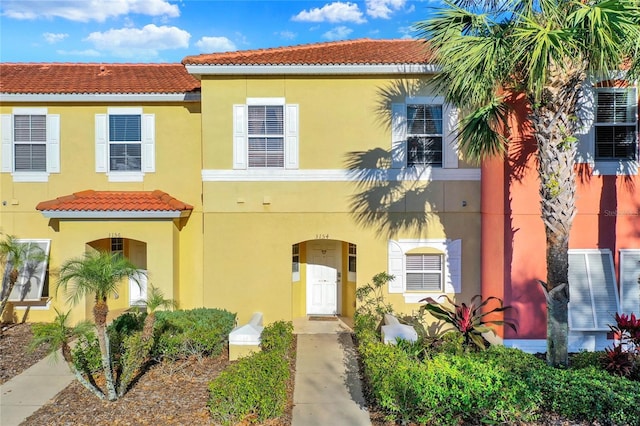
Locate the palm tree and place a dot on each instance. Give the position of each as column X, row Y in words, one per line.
column 56, row 336
column 155, row 300
column 98, row 274
column 15, row 255
column 546, row 50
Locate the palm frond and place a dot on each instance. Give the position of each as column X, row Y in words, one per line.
column 481, row 132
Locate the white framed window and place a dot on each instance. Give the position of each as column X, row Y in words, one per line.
column 352, row 262
column 608, row 135
column 265, row 134
column 30, row 144
column 425, row 267
column 125, row 143
column 630, row 281
column 616, row 124
column 31, row 285
column 423, row 133
column 424, row 272
column 295, row 262
column 594, row 293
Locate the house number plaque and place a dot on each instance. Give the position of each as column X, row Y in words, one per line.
column 322, row 236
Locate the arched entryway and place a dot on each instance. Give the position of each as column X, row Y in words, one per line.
column 324, row 277
column 136, row 252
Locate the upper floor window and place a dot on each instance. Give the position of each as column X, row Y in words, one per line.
column 125, row 143
column 30, row 144
column 616, row 124
column 265, row 134
column 424, row 135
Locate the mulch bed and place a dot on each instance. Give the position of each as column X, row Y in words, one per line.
column 14, row 357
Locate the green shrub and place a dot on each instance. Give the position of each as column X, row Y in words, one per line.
column 585, row 359
column 86, row 354
column 254, row 388
column 201, row 332
column 447, row 389
column 590, row 394
column 277, row 336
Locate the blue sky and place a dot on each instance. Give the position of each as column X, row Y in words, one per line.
column 169, row 30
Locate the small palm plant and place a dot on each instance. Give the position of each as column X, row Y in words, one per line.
column 98, row 274
column 56, row 336
column 470, row 320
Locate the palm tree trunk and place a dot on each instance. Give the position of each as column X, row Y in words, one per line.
column 100, row 311
column 554, row 129
column 13, row 278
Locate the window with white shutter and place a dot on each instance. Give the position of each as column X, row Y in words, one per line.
column 424, row 272
column 125, row 143
column 616, row 134
column 594, row 293
column 630, row 281
column 424, row 135
column 265, row 134
column 30, row 144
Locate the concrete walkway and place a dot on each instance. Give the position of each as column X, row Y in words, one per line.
column 27, row 392
column 328, row 390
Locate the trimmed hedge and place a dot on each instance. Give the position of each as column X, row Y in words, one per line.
column 200, row 332
column 499, row 385
column 254, row 388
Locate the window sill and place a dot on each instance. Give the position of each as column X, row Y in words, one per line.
column 125, row 176
column 30, row 176
column 44, row 304
column 615, row 167
column 411, row 297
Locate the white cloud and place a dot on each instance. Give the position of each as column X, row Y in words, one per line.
column 52, row 38
column 86, row 10
column 383, row 8
column 86, row 53
column 215, row 44
column 141, row 43
column 338, row 33
column 287, row 35
column 334, row 12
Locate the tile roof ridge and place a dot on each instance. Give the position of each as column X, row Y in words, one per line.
column 83, row 64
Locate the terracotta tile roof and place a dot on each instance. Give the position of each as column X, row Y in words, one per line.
column 115, row 201
column 351, row 52
column 67, row 78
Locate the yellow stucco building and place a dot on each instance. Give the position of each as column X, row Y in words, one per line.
column 273, row 181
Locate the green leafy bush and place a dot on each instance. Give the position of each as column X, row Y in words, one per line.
column 277, row 336
column 254, row 388
column 86, row 354
column 200, row 332
column 585, row 359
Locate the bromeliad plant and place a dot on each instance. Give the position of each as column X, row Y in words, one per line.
column 470, row 320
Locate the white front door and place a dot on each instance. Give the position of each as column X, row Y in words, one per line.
column 138, row 289
column 323, row 263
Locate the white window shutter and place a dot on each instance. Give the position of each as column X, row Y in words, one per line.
column 449, row 142
column 291, row 149
column 398, row 135
column 239, row 137
column 53, row 143
column 6, row 152
column 148, row 143
column 630, row 281
column 453, row 283
column 396, row 267
column 102, row 145
column 585, row 111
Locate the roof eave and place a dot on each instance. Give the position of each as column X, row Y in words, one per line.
column 349, row 69
column 100, row 97
column 113, row 214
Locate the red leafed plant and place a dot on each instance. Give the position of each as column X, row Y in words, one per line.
column 470, row 320
column 624, row 358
